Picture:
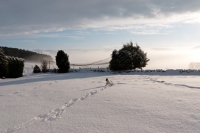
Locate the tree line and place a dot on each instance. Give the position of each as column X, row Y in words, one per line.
column 25, row 54
column 127, row 58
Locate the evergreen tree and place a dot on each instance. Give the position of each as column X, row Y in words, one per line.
column 3, row 64
column 129, row 57
column 62, row 61
column 120, row 60
column 114, row 61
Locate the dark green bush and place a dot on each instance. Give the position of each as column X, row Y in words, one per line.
column 62, row 61
column 36, row 69
column 3, row 64
column 15, row 67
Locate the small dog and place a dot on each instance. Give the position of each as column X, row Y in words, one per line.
column 109, row 83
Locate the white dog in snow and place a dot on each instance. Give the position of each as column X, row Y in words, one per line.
column 109, row 83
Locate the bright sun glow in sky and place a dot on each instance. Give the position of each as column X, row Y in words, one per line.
column 89, row 30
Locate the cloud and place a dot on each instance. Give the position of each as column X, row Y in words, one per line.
column 162, row 49
column 197, row 47
column 24, row 17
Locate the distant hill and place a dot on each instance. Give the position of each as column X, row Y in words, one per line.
column 25, row 54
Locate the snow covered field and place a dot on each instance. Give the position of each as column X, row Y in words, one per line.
column 78, row 102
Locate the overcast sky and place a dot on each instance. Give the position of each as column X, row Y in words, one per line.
column 165, row 29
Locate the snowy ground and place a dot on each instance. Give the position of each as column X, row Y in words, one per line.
column 78, row 102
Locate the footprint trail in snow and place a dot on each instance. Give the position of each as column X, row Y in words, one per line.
column 180, row 85
column 53, row 114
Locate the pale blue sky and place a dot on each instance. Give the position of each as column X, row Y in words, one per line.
column 167, row 30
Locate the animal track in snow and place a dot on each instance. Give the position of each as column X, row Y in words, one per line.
column 192, row 87
column 182, row 85
column 53, row 114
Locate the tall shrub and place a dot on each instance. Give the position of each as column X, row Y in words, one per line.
column 62, row 61
column 3, row 64
column 15, row 67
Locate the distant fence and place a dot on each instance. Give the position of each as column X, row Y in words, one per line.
column 101, row 63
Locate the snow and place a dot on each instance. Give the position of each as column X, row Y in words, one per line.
column 78, row 102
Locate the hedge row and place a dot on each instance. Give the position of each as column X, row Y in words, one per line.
column 15, row 67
